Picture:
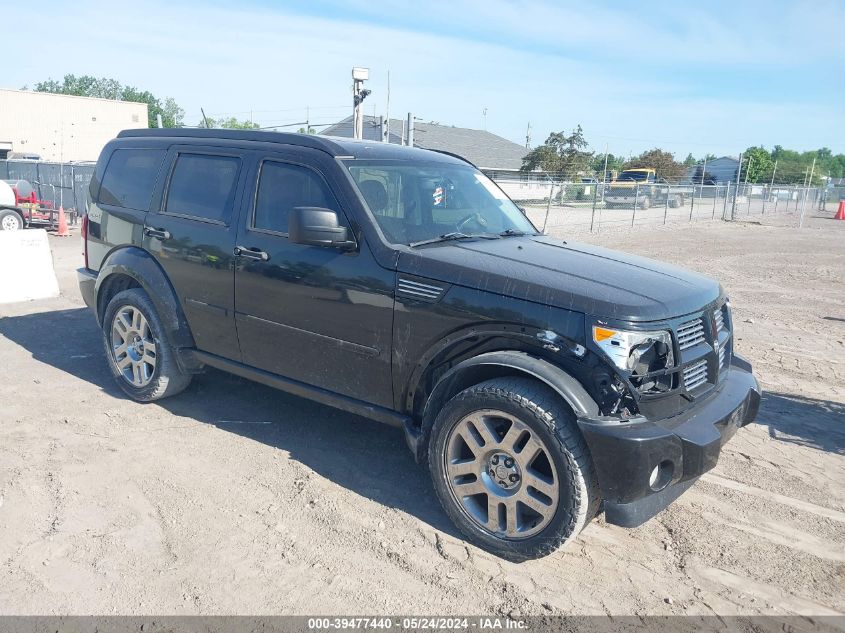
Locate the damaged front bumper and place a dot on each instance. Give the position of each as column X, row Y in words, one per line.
column 644, row 465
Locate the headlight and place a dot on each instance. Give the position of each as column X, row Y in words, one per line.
column 639, row 353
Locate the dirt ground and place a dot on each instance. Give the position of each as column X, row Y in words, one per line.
column 233, row 498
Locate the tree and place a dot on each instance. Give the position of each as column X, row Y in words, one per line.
column 232, row 123
column 702, row 177
column 614, row 163
column 757, row 165
column 104, row 88
column 561, row 155
column 664, row 163
column 689, row 161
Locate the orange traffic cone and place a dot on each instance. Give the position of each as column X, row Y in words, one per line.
column 840, row 214
column 63, row 230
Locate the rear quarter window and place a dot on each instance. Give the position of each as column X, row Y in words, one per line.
column 130, row 177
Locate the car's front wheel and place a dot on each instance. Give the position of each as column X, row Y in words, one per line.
column 140, row 357
column 511, row 468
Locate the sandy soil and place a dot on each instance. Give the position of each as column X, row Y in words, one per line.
column 234, row 499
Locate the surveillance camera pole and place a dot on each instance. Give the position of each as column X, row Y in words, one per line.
column 359, row 76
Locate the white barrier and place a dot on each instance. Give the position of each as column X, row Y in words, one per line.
column 26, row 266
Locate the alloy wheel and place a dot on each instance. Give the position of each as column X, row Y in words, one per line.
column 133, row 346
column 501, row 474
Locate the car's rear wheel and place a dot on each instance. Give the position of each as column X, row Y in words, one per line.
column 10, row 221
column 511, row 468
column 140, row 357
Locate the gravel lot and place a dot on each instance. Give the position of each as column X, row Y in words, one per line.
column 233, row 498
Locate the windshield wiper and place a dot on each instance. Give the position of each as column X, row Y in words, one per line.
column 447, row 237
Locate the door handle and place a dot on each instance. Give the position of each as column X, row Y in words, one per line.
column 250, row 253
column 162, row 234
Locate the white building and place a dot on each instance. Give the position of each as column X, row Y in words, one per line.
column 62, row 127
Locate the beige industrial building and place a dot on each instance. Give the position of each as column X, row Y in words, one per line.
column 62, row 127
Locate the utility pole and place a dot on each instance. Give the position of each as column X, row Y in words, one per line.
column 359, row 93
column 410, row 130
column 484, row 114
column 528, row 136
column 158, row 120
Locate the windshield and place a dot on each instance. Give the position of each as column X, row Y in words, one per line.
column 413, row 202
column 634, row 175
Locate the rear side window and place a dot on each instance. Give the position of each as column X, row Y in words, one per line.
column 281, row 187
column 130, row 178
column 203, row 186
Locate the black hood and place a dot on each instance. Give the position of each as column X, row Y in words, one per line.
column 569, row 275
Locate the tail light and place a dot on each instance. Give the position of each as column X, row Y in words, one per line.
column 84, row 233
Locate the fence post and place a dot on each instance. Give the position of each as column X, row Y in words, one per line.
column 548, row 205
column 636, row 202
column 715, row 195
column 725, row 204
column 692, row 202
column 666, row 203
column 595, row 198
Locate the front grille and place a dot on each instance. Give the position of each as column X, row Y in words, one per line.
column 721, row 357
column 695, row 375
column 690, row 333
column 719, row 319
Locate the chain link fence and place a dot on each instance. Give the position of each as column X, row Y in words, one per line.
column 587, row 205
column 575, row 205
column 55, row 185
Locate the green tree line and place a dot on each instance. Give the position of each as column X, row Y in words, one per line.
column 87, row 86
column 172, row 115
column 566, row 156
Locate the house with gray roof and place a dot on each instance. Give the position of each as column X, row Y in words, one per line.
column 492, row 154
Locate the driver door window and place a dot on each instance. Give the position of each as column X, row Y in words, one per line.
column 281, row 187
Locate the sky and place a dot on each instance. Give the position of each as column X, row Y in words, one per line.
column 703, row 78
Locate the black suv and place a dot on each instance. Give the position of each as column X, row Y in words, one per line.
column 540, row 380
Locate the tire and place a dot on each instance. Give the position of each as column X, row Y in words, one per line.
column 475, row 480
column 645, row 202
column 676, row 202
column 146, row 367
column 10, row 220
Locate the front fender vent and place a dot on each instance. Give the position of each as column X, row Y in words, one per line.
column 417, row 290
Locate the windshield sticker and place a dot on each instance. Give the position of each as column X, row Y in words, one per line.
column 439, row 196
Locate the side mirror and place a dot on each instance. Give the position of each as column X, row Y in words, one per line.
column 316, row 226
